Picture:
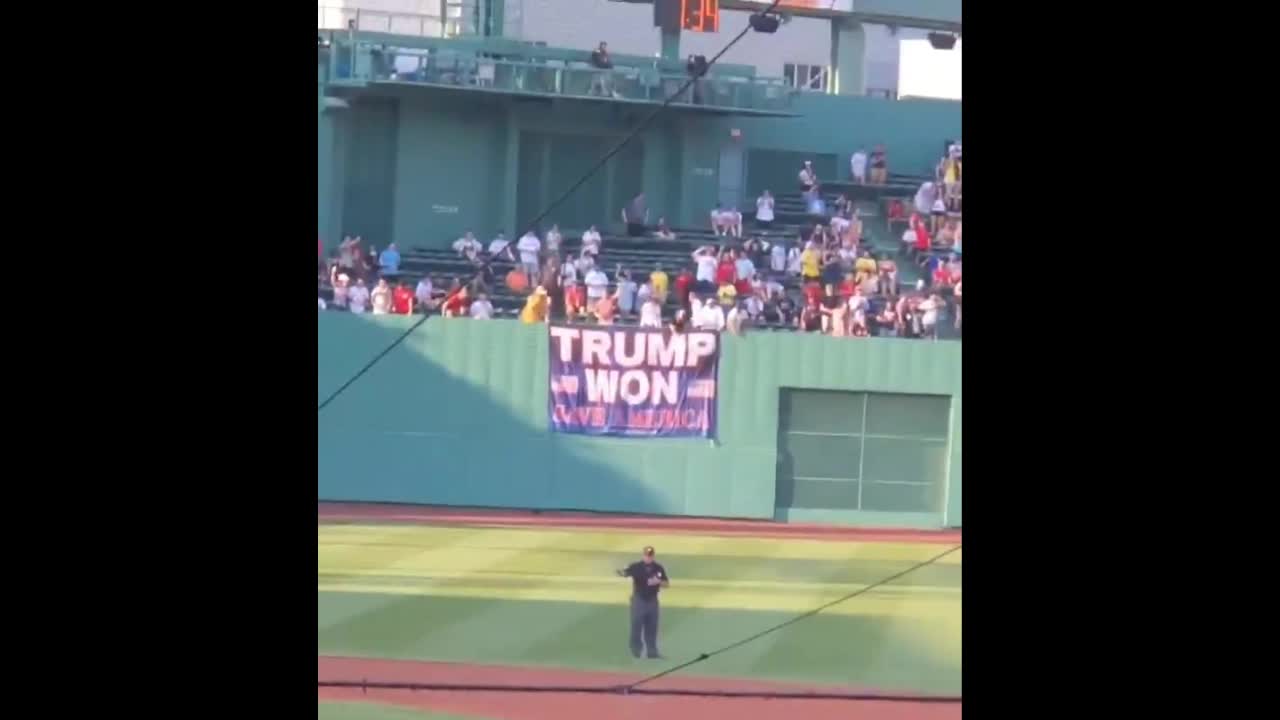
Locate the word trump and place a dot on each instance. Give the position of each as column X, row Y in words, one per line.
column 632, row 382
column 604, row 348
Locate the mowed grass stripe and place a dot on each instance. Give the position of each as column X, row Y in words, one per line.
column 590, row 541
column 874, row 602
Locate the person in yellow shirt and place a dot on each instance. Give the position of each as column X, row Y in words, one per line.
column 865, row 267
column 658, row 282
column 728, row 295
column 811, row 263
column 536, row 308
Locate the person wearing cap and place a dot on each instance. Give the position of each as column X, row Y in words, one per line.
column 647, row 578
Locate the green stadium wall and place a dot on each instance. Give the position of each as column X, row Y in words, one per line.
column 457, row 415
column 419, row 166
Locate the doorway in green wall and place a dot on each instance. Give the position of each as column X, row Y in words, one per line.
column 850, row 456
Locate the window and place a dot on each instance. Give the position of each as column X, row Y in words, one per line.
column 807, row 77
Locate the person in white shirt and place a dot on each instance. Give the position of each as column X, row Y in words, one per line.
column 382, row 298
column 423, row 292
column 736, row 318
column 858, row 305
column 591, row 239
column 764, row 210
column 568, row 271
column 953, row 150
column 735, row 222
column 529, row 247
column 909, row 238
column 650, row 312
column 925, row 197
column 710, row 316
column 358, row 297
column 808, row 178
column 554, row 239
column 773, row 289
column 793, row 260
column 586, row 260
column 754, row 306
column 627, row 291
column 778, row 257
column 465, row 243
column 643, row 293
column 481, row 308
column 500, row 245
column 705, row 257
column 929, row 317
column 719, row 221
column 341, row 286
column 858, row 166
column 839, row 224
column 939, row 213
column 597, row 287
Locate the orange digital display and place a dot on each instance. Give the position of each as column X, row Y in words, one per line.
column 700, row 15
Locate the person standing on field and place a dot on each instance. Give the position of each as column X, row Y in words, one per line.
column 647, row 578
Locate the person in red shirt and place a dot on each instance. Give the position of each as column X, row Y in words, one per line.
column 846, row 287
column 727, row 270
column 923, row 243
column 941, row 276
column 401, row 300
column 684, row 283
column 457, row 303
column 812, row 293
column 575, row 299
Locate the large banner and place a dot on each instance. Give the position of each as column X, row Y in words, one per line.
column 633, row 382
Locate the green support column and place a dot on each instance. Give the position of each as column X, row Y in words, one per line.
column 848, row 57
column 671, row 45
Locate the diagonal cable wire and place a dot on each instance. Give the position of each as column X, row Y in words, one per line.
column 792, row 621
column 644, row 123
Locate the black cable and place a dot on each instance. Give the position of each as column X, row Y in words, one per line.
column 794, row 620
column 565, row 196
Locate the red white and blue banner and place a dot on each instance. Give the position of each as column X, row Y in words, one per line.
column 633, row 382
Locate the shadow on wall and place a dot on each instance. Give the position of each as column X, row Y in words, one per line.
column 454, row 415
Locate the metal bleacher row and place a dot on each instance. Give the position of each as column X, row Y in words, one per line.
column 641, row 255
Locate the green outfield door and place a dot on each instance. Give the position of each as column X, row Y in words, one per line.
column 874, row 458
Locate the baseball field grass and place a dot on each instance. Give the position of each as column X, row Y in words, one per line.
column 547, row 597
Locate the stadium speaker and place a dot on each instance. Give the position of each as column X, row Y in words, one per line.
column 942, row 41
column 764, row 23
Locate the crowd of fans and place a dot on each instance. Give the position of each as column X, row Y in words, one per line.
column 846, row 290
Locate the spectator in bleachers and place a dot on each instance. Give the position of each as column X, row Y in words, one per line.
column 554, row 240
column 810, row 318
column 341, row 283
column 597, row 287
column 659, row 283
column 603, row 81
column 424, row 293
column 537, row 307
column 744, row 268
column 481, row 309
column 626, row 292
column 956, row 247
column 939, row 214
column 456, row 302
column 663, row 232
column 381, row 298
column 347, row 252
column 888, row 271
column 794, row 263
column 575, row 299
column 636, row 216
column 389, row 261
column 956, row 293
column 808, row 178
column 811, row 262
column 887, row 321
column 764, row 210
column 778, row 257
column 467, row 246
column 684, row 286
column 727, row 295
column 568, row 271
column 734, row 219
column 402, row 300
column 706, row 260
column 879, row 166
column 726, row 268
column 650, row 313
column 358, row 297
column 606, row 308
column 680, row 320
column 735, row 321
column 501, row 246
column 858, row 166
column 591, row 240
column 925, row 195
column 929, row 310
column 946, row 234
column 549, row 280
column 586, row 260
column 529, row 247
column 708, row 316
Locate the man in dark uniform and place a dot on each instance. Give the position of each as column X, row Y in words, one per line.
column 647, row 577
